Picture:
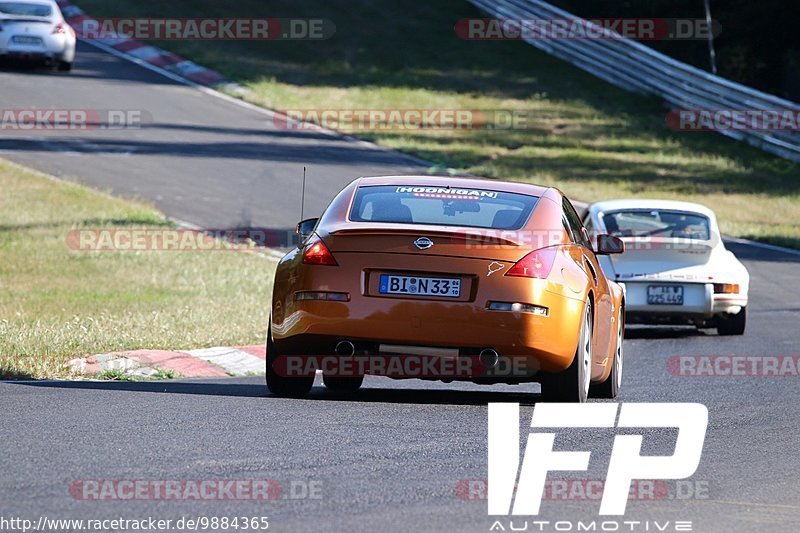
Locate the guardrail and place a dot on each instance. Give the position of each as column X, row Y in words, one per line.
column 635, row 67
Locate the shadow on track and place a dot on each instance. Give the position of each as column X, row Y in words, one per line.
column 236, row 388
column 427, row 396
column 665, row 332
column 252, row 151
column 29, row 67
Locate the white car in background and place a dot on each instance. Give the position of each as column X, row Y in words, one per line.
column 36, row 30
column 675, row 269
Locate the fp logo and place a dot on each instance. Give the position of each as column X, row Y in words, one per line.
column 626, row 464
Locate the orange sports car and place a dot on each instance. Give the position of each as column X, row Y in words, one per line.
column 450, row 279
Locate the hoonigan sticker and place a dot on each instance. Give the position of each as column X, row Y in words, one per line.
column 447, row 192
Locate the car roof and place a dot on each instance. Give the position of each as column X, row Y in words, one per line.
column 644, row 203
column 448, row 181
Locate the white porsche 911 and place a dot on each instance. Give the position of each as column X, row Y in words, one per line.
column 675, row 269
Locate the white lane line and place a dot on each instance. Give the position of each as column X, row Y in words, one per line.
column 186, row 68
column 142, row 63
column 234, row 361
column 145, row 52
column 275, row 253
column 185, row 225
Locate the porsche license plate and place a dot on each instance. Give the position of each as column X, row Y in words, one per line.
column 420, row 286
column 664, row 295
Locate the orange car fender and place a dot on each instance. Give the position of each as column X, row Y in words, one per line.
column 603, row 364
column 284, row 288
column 571, row 280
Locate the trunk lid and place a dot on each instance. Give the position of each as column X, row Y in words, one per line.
column 26, row 26
column 428, row 240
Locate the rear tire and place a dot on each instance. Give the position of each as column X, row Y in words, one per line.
column 342, row 384
column 572, row 385
column 64, row 66
column 291, row 387
column 732, row 324
column 609, row 389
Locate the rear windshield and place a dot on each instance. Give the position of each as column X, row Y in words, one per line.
column 442, row 206
column 657, row 223
column 25, row 9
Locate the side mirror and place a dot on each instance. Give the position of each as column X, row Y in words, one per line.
column 608, row 245
column 306, row 227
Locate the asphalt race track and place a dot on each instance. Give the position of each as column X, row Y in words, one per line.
column 394, row 457
column 202, row 159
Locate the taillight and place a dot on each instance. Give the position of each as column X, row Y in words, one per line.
column 316, row 253
column 726, row 288
column 536, row 264
column 59, row 29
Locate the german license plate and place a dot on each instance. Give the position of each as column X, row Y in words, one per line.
column 23, row 39
column 664, row 295
column 420, row 286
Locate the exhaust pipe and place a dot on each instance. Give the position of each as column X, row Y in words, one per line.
column 345, row 348
column 489, row 357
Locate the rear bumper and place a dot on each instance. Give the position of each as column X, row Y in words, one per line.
column 530, row 341
column 464, row 324
column 54, row 48
column 38, row 55
column 700, row 302
column 41, row 55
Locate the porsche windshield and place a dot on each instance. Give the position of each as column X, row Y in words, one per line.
column 442, row 206
column 657, row 223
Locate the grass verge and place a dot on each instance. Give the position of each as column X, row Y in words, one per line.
column 57, row 303
column 584, row 136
